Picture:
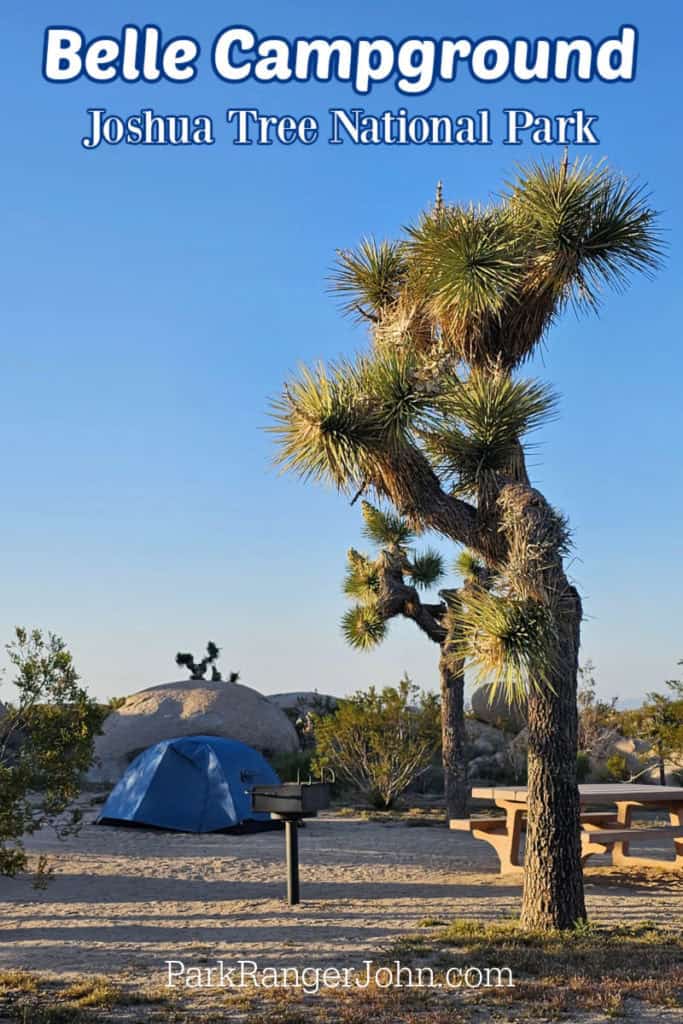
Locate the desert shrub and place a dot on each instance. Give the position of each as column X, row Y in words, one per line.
column 46, row 743
column 292, row 764
column 583, row 766
column 617, row 768
column 380, row 741
column 660, row 721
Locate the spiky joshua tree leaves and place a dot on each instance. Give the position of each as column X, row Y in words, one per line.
column 432, row 420
column 388, row 584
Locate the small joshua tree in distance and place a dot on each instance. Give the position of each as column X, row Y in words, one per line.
column 197, row 669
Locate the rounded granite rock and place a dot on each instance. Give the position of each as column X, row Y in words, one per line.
column 189, row 708
column 493, row 708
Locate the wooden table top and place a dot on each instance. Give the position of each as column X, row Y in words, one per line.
column 595, row 793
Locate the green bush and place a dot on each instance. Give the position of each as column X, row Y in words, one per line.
column 379, row 742
column 291, row 765
column 46, row 743
column 617, row 768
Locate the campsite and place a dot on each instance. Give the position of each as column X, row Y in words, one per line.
column 341, row 668
column 142, row 840
column 171, row 897
column 136, row 899
column 513, row 805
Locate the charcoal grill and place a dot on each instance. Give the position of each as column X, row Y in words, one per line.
column 292, row 801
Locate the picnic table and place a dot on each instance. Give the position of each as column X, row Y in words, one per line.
column 601, row 831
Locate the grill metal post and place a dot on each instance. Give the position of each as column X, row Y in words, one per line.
column 291, row 802
column 292, row 849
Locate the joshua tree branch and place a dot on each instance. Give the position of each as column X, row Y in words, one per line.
column 410, row 483
column 399, row 598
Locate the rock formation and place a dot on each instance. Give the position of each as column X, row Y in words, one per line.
column 189, row 708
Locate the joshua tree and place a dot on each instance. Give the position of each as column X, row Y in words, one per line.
column 198, row 669
column 430, row 420
column 387, row 586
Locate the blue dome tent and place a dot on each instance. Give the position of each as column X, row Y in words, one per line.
column 191, row 784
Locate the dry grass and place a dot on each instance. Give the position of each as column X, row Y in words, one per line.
column 17, row 981
column 590, row 969
column 91, row 992
column 416, row 816
column 29, row 998
column 600, row 972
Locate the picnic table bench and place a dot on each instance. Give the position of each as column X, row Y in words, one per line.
column 601, row 831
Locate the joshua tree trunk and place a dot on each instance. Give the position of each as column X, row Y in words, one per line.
column 453, row 737
column 396, row 597
column 553, row 882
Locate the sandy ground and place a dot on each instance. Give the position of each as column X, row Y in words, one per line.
column 126, row 900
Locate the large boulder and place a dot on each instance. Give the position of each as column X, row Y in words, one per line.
column 483, row 739
column 495, row 709
column 487, row 768
column 189, row 708
column 494, row 756
column 636, row 753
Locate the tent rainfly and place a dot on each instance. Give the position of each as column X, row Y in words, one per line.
column 191, row 784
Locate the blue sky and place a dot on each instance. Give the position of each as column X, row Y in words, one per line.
column 154, row 298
